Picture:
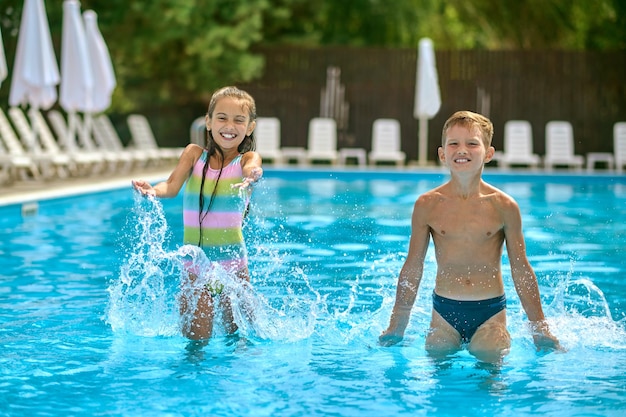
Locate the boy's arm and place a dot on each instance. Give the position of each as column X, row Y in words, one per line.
column 409, row 278
column 170, row 187
column 525, row 279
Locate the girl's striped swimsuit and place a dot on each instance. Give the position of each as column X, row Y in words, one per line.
column 222, row 236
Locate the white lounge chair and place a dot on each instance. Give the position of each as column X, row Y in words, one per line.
column 386, row 142
column 619, row 145
column 16, row 162
column 518, row 145
column 560, row 146
column 267, row 137
column 107, row 139
column 143, row 138
column 6, row 167
column 35, row 144
column 197, row 131
column 88, row 161
column 322, row 140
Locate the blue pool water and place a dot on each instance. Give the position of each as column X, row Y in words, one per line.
column 89, row 323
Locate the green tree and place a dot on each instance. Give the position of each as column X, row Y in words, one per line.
column 545, row 24
column 178, row 51
column 174, row 51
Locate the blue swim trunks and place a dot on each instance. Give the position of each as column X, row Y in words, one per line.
column 467, row 316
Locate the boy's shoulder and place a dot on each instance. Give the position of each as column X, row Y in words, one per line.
column 500, row 197
column 431, row 197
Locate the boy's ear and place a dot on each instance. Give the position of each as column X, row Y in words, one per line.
column 489, row 154
column 441, row 153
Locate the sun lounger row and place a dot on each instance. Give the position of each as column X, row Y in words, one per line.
column 559, row 139
column 322, row 143
column 33, row 148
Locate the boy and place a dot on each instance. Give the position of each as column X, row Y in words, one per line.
column 469, row 221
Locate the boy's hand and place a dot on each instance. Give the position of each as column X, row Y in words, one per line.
column 544, row 340
column 388, row 338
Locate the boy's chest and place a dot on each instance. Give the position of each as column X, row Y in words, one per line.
column 471, row 220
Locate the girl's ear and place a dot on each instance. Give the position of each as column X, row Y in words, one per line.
column 207, row 122
column 251, row 128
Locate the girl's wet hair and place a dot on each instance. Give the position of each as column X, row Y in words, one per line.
column 470, row 120
column 248, row 144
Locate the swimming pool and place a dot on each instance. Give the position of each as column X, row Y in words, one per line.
column 89, row 326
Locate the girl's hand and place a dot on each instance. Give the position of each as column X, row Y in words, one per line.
column 250, row 180
column 144, row 188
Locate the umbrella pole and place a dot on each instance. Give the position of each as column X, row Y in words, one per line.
column 34, row 127
column 423, row 142
column 88, row 124
column 71, row 131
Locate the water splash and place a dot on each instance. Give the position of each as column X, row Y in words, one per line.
column 144, row 299
column 584, row 317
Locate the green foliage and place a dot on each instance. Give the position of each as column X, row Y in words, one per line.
column 178, row 51
column 546, row 24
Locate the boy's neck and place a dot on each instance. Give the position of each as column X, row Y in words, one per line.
column 466, row 186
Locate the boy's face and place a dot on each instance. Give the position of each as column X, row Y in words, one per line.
column 464, row 149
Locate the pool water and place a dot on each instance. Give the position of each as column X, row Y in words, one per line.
column 89, row 322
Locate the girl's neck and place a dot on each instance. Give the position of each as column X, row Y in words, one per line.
column 216, row 159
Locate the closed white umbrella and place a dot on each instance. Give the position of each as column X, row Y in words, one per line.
column 77, row 82
column 3, row 61
column 101, row 64
column 427, row 95
column 35, row 72
column 101, row 67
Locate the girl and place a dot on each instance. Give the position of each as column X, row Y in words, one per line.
column 213, row 207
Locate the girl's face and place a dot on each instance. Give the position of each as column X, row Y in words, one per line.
column 464, row 149
column 229, row 124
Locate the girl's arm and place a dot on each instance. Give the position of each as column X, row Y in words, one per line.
column 251, row 168
column 170, row 187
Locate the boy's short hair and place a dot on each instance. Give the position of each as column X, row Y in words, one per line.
column 470, row 120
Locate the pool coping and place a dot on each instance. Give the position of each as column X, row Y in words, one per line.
column 41, row 191
column 60, row 189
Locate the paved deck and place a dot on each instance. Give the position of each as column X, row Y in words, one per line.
column 27, row 191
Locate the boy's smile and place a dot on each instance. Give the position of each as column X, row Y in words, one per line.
column 462, row 147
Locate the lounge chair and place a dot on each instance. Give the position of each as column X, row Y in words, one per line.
column 619, row 145
column 197, row 131
column 36, row 144
column 560, row 146
column 386, row 142
column 6, row 167
column 16, row 162
column 322, row 140
column 89, row 161
column 267, row 137
column 518, row 145
column 143, row 138
column 107, row 139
